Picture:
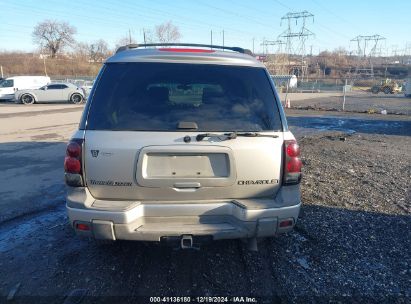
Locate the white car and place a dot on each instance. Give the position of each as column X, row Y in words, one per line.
column 53, row 92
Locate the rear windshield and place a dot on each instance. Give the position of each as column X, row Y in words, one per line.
column 159, row 96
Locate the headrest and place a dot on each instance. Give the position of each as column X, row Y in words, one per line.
column 210, row 95
column 157, row 94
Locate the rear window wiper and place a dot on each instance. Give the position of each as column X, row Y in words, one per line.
column 200, row 137
column 234, row 135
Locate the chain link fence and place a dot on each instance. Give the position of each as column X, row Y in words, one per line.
column 83, row 82
column 384, row 96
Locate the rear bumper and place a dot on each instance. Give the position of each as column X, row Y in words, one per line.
column 216, row 219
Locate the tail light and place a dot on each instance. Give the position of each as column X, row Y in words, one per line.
column 292, row 163
column 286, row 223
column 73, row 168
column 83, row 227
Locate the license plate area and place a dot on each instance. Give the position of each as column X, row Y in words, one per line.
column 167, row 166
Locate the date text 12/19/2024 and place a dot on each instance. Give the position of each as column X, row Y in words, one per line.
column 187, row 299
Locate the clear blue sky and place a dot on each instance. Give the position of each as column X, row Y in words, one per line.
column 335, row 22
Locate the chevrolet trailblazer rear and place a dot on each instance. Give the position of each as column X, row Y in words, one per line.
column 182, row 145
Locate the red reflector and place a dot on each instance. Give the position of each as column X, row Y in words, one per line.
column 286, row 223
column 72, row 165
column 181, row 50
column 83, row 227
column 293, row 150
column 294, row 165
column 73, row 149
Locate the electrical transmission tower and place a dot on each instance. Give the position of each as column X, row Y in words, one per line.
column 278, row 43
column 276, row 62
column 296, row 38
column 366, row 50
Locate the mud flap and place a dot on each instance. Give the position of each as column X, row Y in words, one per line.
column 103, row 230
column 266, row 227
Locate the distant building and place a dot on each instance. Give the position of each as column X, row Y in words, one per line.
column 44, row 56
column 283, row 80
column 262, row 58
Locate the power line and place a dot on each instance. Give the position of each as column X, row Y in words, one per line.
column 122, row 26
column 234, row 14
column 283, row 5
column 179, row 17
column 330, row 11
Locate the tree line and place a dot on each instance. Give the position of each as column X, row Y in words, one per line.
column 55, row 37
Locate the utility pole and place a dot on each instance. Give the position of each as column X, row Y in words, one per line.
column 264, row 45
column 211, row 37
column 253, row 45
column 144, row 35
column 223, row 40
column 129, row 36
column 344, row 91
column 394, row 50
column 44, row 64
column 299, row 36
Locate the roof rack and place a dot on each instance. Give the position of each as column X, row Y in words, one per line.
column 134, row 46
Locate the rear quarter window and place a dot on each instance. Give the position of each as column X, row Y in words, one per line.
column 157, row 96
column 7, row 83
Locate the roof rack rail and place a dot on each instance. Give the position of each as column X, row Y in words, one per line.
column 134, row 46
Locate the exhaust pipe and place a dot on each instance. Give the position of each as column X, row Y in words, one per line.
column 252, row 244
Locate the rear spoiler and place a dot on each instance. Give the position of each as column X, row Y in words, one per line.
column 135, row 46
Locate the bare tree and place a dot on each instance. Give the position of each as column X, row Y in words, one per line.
column 167, row 32
column 98, row 50
column 82, row 50
column 53, row 35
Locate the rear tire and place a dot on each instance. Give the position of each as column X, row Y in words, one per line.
column 387, row 90
column 76, row 98
column 27, row 99
column 375, row 90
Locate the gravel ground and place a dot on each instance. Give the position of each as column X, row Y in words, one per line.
column 353, row 237
column 351, row 244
